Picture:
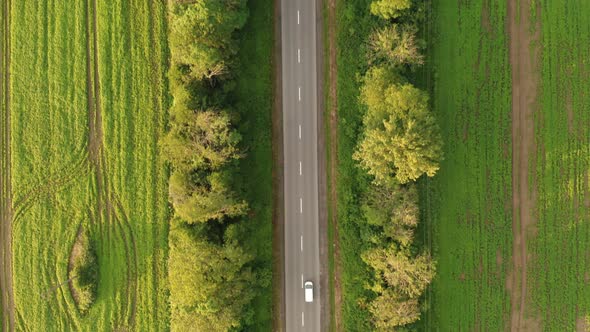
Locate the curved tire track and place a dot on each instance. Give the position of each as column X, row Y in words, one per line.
column 69, row 175
column 106, row 201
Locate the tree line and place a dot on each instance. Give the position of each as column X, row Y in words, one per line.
column 399, row 143
column 212, row 282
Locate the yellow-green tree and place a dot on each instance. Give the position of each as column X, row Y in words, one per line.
column 396, row 269
column 395, row 44
column 390, row 311
column 389, row 9
column 401, row 139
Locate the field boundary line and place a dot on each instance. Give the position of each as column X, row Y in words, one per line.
column 333, row 160
column 6, row 214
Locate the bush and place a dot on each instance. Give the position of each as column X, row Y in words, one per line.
column 84, row 272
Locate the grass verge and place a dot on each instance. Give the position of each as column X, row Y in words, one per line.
column 253, row 102
column 353, row 27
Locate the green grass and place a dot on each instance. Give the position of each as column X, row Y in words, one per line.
column 354, row 25
column 253, row 105
column 50, row 159
column 560, row 268
column 467, row 206
column 327, row 138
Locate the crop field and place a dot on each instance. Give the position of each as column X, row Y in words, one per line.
column 88, row 102
column 471, row 209
column 468, row 205
column 6, row 298
column 560, row 250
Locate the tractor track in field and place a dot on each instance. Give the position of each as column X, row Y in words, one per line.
column 48, row 186
column 155, row 232
column 524, row 59
column 122, row 222
column 114, row 216
column 6, row 211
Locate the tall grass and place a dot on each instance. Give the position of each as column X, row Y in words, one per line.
column 354, row 26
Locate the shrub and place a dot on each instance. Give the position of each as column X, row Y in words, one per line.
column 84, row 272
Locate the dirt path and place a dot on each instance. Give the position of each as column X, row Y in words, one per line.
column 525, row 78
column 6, row 214
column 333, row 159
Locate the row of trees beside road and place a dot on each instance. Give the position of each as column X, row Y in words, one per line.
column 212, row 281
column 400, row 143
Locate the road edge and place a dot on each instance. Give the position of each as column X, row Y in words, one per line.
column 322, row 169
column 278, row 216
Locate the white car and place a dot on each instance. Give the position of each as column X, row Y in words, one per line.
column 308, row 291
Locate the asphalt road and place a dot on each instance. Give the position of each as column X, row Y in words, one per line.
column 300, row 100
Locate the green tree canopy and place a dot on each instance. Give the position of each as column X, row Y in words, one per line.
column 203, row 197
column 396, row 44
column 210, row 284
column 201, row 139
column 395, row 211
column 201, row 34
column 402, row 139
column 389, row 9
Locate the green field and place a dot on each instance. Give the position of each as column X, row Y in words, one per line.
column 467, row 206
column 560, row 272
column 89, row 101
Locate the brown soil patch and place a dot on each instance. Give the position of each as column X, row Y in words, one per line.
column 6, row 211
column 74, row 254
column 524, row 61
column 582, row 324
column 333, row 157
